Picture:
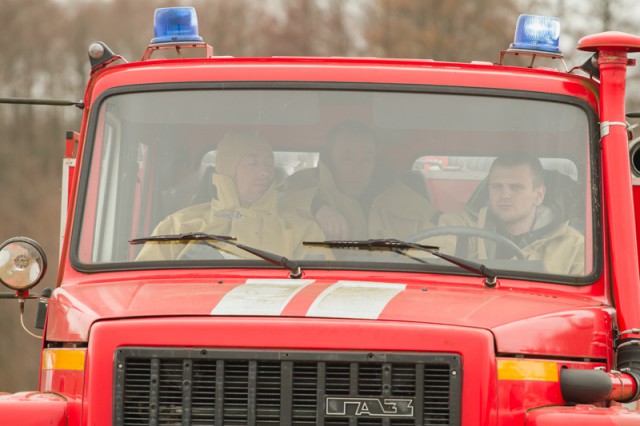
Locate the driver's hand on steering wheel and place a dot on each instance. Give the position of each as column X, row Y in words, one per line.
column 333, row 224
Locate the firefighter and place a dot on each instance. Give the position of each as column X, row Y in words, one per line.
column 517, row 211
column 244, row 206
column 336, row 193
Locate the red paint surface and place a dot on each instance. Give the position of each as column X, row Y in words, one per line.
column 33, row 409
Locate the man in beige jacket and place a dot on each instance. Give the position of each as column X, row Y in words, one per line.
column 244, row 206
column 334, row 193
column 516, row 211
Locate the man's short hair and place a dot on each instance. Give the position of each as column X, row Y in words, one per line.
column 518, row 158
column 348, row 127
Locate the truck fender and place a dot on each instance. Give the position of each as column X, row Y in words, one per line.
column 584, row 415
column 33, row 408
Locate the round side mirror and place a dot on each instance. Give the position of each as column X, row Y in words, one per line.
column 22, row 263
column 634, row 155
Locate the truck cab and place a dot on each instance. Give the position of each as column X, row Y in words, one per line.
column 180, row 299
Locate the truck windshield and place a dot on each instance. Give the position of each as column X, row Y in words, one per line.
column 501, row 178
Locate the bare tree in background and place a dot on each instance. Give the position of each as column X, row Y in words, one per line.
column 232, row 27
column 308, row 28
column 453, row 30
column 31, row 148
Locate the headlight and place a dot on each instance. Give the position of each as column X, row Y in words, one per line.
column 22, row 263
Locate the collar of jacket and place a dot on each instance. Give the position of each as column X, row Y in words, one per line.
column 545, row 226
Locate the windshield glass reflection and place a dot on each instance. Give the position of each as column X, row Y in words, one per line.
column 478, row 176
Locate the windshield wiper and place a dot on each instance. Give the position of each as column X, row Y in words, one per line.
column 399, row 246
column 283, row 262
column 189, row 236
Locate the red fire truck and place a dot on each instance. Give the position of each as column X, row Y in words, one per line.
column 428, row 243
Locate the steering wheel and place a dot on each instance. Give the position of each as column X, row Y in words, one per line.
column 464, row 233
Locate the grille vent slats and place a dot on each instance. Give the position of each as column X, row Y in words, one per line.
column 403, row 380
column 338, row 378
column 268, row 393
column 236, row 392
column 304, row 393
column 137, row 392
column 203, row 392
column 170, row 392
column 207, row 387
column 370, row 379
column 436, row 404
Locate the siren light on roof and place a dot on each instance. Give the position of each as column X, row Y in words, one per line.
column 175, row 25
column 537, row 33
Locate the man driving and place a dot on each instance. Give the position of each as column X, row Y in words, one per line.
column 517, row 211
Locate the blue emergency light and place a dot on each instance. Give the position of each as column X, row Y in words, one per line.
column 538, row 33
column 175, row 25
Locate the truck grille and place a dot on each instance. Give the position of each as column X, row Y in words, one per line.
column 167, row 387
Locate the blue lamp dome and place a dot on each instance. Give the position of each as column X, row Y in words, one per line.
column 535, row 32
column 175, row 24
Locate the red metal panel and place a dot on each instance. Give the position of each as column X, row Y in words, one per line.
column 617, row 190
column 565, row 334
column 523, row 321
column 636, row 205
column 345, row 70
column 33, row 409
column 594, row 42
column 583, row 415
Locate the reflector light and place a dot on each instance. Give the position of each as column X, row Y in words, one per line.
column 538, row 33
column 526, row 369
column 175, row 24
column 64, row 359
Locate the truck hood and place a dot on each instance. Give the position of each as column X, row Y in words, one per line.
column 521, row 321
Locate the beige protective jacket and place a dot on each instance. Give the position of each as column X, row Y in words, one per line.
column 400, row 212
column 562, row 250
column 260, row 226
column 300, row 189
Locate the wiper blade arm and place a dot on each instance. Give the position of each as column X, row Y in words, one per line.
column 392, row 244
column 189, row 236
column 283, row 262
column 388, row 244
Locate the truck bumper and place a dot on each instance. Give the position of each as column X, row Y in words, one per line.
column 584, row 415
column 33, row 408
